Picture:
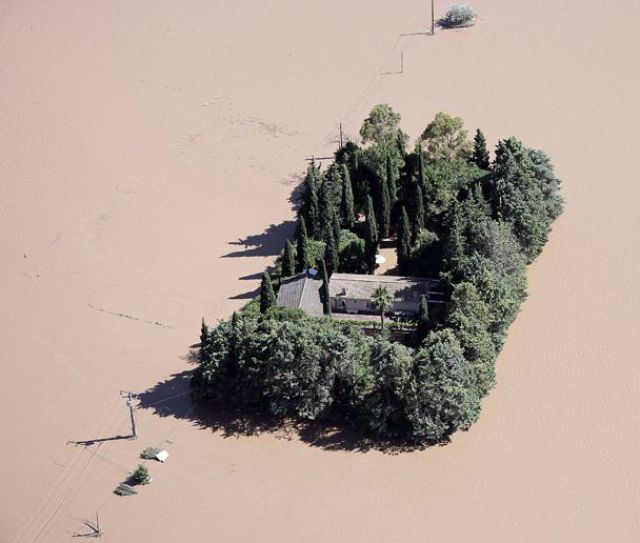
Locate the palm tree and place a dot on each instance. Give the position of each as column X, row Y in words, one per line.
column 382, row 300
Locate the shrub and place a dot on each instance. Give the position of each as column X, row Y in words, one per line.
column 149, row 453
column 125, row 490
column 141, row 475
column 458, row 16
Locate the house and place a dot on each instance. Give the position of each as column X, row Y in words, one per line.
column 302, row 291
column 351, row 293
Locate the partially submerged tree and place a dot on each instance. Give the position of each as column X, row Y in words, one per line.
column 267, row 295
column 446, row 138
column 302, row 253
column 288, row 260
column 141, row 475
column 458, row 16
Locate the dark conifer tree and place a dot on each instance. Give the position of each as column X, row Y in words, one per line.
column 327, row 211
column 302, row 254
column 454, row 248
column 371, row 236
column 348, row 211
column 480, row 151
column 267, row 295
column 204, row 351
column 421, row 178
column 404, row 241
column 324, row 292
column 204, row 332
column 392, row 180
column 384, row 210
column 288, row 260
column 331, row 258
column 422, row 328
column 312, row 202
column 418, row 219
column 371, row 221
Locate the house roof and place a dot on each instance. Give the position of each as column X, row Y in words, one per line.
column 301, row 291
column 361, row 287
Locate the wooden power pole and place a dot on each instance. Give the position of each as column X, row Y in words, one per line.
column 433, row 18
column 132, row 412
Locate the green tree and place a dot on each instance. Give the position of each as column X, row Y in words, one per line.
column 381, row 126
column 480, row 151
column 352, row 253
column 204, row 332
column 311, row 207
column 470, row 319
column 325, row 294
column 204, row 352
column 518, row 196
column 331, row 256
column 384, row 209
column 418, row 219
column 385, row 409
column 371, row 236
column 422, row 328
column 337, row 230
column 141, row 475
column 445, row 398
column 288, row 260
column 392, row 179
column 382, row 299
column 302, row 253
column 420, row 166
column 446, row 138
column 267, row 295
column 404, row 241
column 348, row 212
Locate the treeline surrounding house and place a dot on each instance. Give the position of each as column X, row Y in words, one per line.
column 455, row 214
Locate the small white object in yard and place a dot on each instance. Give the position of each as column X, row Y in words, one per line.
column 380, row 259
column 162, row 455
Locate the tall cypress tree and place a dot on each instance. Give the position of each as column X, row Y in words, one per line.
column 331, row 258
column 312, row 204
column 204, row 351
column 288, row 260
column 422, row 328
column 480, row 151
column 392, row 179
column 371, row 236
column 454, row 248
column 371, row 220
column 404, row 241
column 418, row 219
column 267, row 295
column 324, row 292
column 204, row 332
column 327, row 210
column 421, row 178
column 348, row 211
column 385, row 210
column 302, row 254
column 336, row 229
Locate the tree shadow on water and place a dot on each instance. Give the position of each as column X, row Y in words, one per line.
column 171, row 398
column 268, row 243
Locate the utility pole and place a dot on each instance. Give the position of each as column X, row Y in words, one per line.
column 433, row 19
column 132, row 411
column 341, row 144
